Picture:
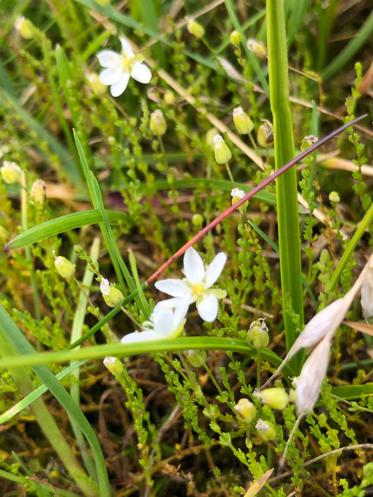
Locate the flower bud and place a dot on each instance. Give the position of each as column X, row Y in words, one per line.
column 158, row 123
column 110, row 294
column 37, row 192
column 265, row 430
column 334, row 197
column 221, row 150
column 64, row 267
column 257, row 47
column 3, row 234
column 275, row 398
column 235, row 38
column 265, row 134
column 246, row 410
column 95, row 84
column 236, row 195
column 114, row 365
column 211, row 133
column 197, row 220
column 169, row 97
column 195, row 28
column 11, row 172
column 258, row 334
column 24, row 27
column 196, row 358
column 242, row 121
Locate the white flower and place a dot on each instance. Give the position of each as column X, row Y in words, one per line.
column 308, row 384
column 236, row 193
column 119, row 68
column 367, row 294
column 196, row 287
column 163, row 323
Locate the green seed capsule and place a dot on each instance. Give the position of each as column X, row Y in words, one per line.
column 64, row 267
column 242, row 121
column 246, row 410
column 275, row 398
column 221, row 150
column 195, row 28
column 158, row 123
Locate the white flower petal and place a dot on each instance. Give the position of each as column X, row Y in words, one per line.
column 208, row 308
column 173, row 287
column 141, row 73
column 194, row 268
column 170, row 303
column 111, row 75
column 162, row 317
column 180, row 312
column 126, row 47
column 214, row 269
column 108, row 58
column 140, row 336
column 118, row 88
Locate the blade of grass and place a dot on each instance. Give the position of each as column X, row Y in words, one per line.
column 326, row 19
column 297, row 10
column 286, row 187
column 23, row 347
column 361, row 37
column 349, row 392
column 45, row 419
column 76, row 333
column 60, row 225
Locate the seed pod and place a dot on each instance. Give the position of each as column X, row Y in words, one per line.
column 37, row 192
column 221, row 150
column 242, row 121
column 11, row 172
column 235, row 38
column 265, row 134
column 111, row 295
column 158, row 123
column 24, row 27
column 275, row 398
column 258, row 334
column 114, row 365
column 246, row 410
column 265, row 430
column 257, row 47
column 195, row 28
column 196, row 358
column 64, row 267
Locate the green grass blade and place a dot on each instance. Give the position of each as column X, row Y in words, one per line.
column 23, row 347
column 286, row 187
column 297, row 10
column 349, row 392
column 62, row 224
column 360, row 38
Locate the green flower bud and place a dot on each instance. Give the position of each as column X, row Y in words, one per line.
column 257, row 47
column 24, row 27
column 265, row 134
column 235, row 38
column 246, row 410
column 292, row 395
column 334, row 197
column 242, row 121
column 196, row 358
column 95, row 84
column 114, row 365
column 265, row 430
column 37, row 192
column 11, row 172
column 195, row 28
column 158, row 123
column 258, row 334
column 275, row 398
column 221, row 150
column 112, row 296
column 197, row 220
column 3, row 234
column 64, row 267
column 169, row 97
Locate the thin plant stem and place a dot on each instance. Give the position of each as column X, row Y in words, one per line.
column 227, row 167
column 24, row 223
column 258, row 364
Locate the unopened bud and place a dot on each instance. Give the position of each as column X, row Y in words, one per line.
column 258, row 334
column 3, row 234
column 37, row 192
column 95, row 84
column 195, row 28
column 275, row 398
column 334, row 197
column 114, row 365
column 112, row 296
column 235, row 38
column 197, row 220
column 211, row 133
column 11, row 172
column 242, row 121
column 246, row 410
column 169, row 97
column 196, row 358
column 221, row 150
column 64, row 267
column 257, row 47
column 24, row 27
column 158, row 123
column 265, row 430
column 265, row 134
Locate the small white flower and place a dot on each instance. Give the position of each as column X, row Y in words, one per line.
column 163, row 323
column 196, row 287
column 308, row 384
column 236, row 193
column 367, row 294
column 119, row 68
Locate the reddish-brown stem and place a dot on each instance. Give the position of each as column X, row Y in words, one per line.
column 248, row 196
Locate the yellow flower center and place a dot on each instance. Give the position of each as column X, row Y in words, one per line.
column 197, row 289
column 128, row 62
